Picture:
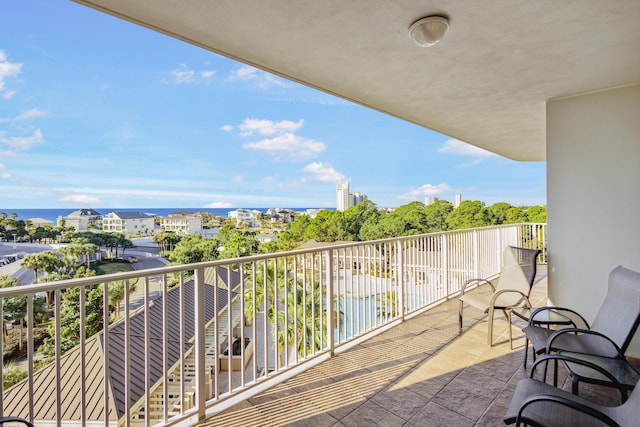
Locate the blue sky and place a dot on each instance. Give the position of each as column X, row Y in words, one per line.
column 98, row 112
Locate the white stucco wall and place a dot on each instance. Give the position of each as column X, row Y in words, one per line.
column 593, row 196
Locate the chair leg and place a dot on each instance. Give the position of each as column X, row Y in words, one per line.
column 460, row 316
column 510, row 329
column 490, row 337
column 526, row 351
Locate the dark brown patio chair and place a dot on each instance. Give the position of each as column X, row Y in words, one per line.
column 512, row 289
column 14, row 421
column 536, row 403
column 611, row 331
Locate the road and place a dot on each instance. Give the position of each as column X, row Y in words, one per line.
column 147, row 258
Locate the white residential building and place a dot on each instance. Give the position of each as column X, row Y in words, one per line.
column 182, row 224
column 128, row 223
column 245, row 216
column 82, row 219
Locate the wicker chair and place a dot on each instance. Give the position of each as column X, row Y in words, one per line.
column 512, row 289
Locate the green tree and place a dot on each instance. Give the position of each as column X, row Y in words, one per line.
column 294, row 234
column 470, row 214
column 352, row 220
column 406, row 220
column 537, row 214
column 70, row 319
column 436, row 214
column 240, row 243
column 498, row 213
column 515, row 215
column 194, row 248
column 12, row 374
column 166, row 240
column 15, row 308
column 116, row 294
column 324, row 227
column 300, row 327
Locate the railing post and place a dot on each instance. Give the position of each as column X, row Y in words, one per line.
column 476, row 254
column 199, row 344
column 400, row 278
column 444, row 253
column 332, row 311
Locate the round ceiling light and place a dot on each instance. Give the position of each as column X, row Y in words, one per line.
column 428, row 31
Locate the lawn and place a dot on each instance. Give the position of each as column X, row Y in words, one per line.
column 112, row 267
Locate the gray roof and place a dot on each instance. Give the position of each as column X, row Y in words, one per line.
column 131, row 215
column 16, row 398
column 85, row 212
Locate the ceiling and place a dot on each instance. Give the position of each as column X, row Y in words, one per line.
column 485, row 83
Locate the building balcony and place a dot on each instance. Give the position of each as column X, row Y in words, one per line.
column 350, row 333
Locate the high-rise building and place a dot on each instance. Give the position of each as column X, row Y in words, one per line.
column 430, row 200
column 458, row 200
column 343, row 199
column 358, row 198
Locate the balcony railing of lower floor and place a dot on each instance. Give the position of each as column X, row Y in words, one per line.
column 192, row 340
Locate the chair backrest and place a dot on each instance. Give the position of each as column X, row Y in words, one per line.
column 526, row 259
column 619, row 314
column 518, row 269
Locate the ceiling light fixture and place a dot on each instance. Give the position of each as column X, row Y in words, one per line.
column 428, row 31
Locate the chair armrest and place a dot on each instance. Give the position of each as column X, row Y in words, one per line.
column 14, row 420
column 560, row 332
column 564, row 358
column 478, row 282
column 496, row 295
column 563, row 401
column 558, row 309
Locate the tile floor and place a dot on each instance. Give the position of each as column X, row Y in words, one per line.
column 420, row 373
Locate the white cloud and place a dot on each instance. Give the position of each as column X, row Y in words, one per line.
column 8, row 94
column 238, row 178
column 183, row 75
column 215, row 205
column 6, row 154
column 454, row 146
column 426, row 190
column 80, row 199
column 227, row 128
column 23, row 142
column 30, row 114
column 268, row 127
column 295, row 147
column 260, row 78
column 323, row 172
column 7, row 69
column 4, row 175
column 207, row 74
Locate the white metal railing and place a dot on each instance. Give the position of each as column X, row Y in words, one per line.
column 165, row 362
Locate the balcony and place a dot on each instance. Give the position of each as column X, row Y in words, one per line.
column 365, row 331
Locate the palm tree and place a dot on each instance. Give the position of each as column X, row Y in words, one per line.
column 292, row 308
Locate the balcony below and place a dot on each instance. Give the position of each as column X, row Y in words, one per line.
column 421, row 372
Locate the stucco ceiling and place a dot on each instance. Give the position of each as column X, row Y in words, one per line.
column 485, row 83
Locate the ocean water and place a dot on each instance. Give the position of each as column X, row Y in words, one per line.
column 53, row 214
